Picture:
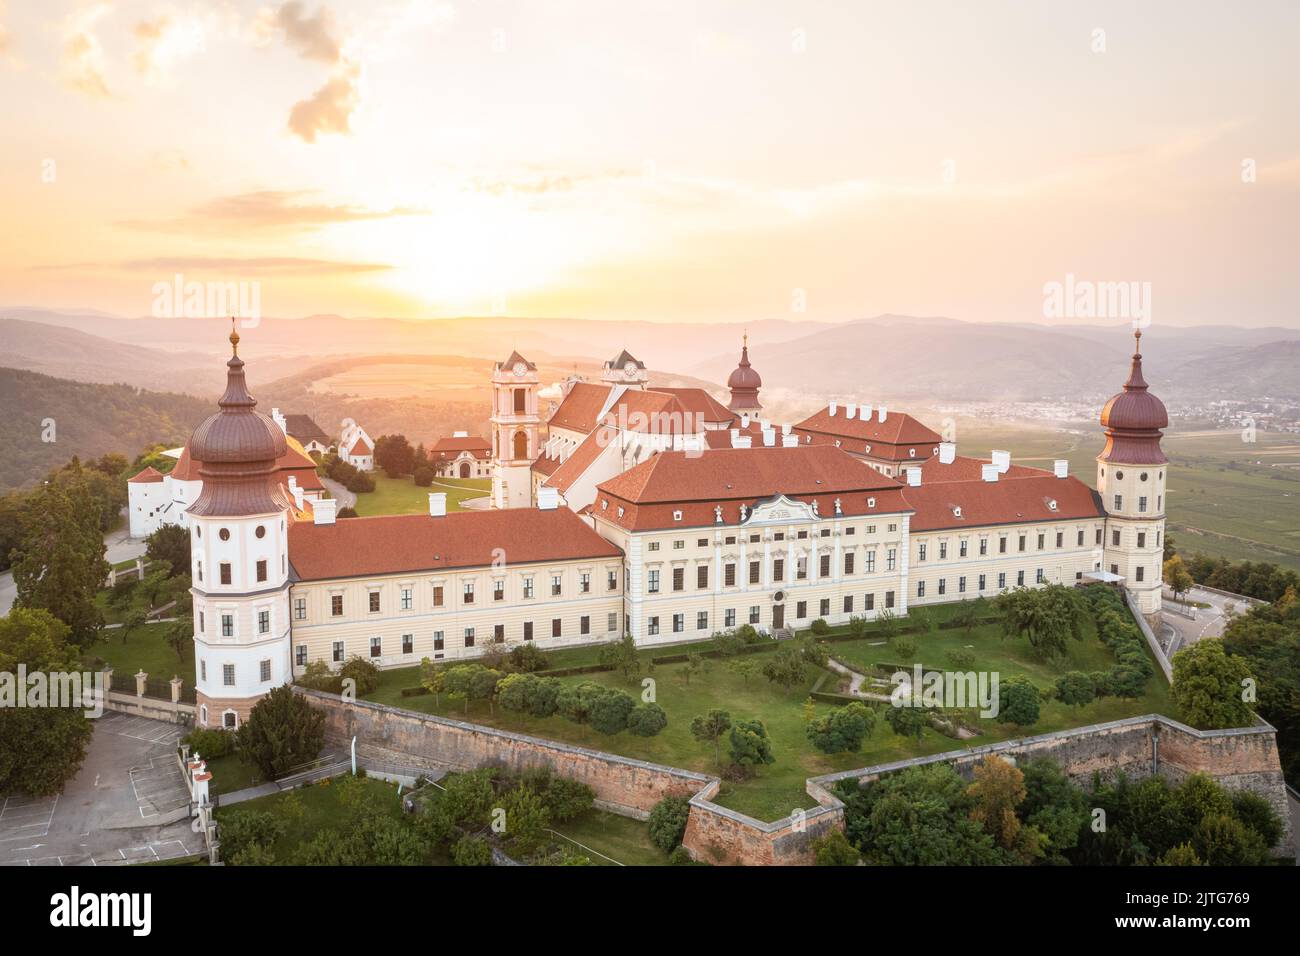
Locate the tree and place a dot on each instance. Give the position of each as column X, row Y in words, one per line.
column 667, row 822
column 646, row 719
column 610, row 711
column 170, row 543
column 394, row 454
column 41, row 748
column 1047, row 616
column 906, row 721
column 1177, row 576
column 750, row 746
column 709, row 728
column 59, row 562
column 843, row 729
column 471, row 851
column 785, row 668
column 577, row 702
column 834, row 849
column 282, row 731
column 362, row 672
column 996, row 792
column 1207, row 686
column 1018, row 702
column 423, row 476
column 471, row 682
column 180, row 635
column 135, row 618
column 1075, row 688
column 744, row 668
column 621, row 655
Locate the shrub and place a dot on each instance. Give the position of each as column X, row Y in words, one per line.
column 667, row 822
column 1018, row 702
column 527, row 658
column 904, row 645
column 843, row 729
column 471, row 851
column 360, row 483
column 318, row 676
column 610, row 712
column 362, row 671
column 961, row 659
column 283, row 731
column 1075, row 688
column 682, row 857
column 646, row 720
column 819, row 626
column 209, row 744
column 241, row 830
column 423, row 476
column 750, row 746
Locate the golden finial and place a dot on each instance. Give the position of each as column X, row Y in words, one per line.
column 1137, row 340
column 234, row 338
column 745, row 339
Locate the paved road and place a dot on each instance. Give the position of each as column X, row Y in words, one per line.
column 1210, row 621
column 127, row 804
column 346, row 499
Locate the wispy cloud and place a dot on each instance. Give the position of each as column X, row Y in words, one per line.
column 228, row 265
column 82, row 64
column 271, row 210
column 165, row 40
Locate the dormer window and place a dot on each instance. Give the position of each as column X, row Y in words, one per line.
column 677, row 516
column 871, row 502
column 1051, row 504
column 620, row 511
column 911, row 453
column 956, row 511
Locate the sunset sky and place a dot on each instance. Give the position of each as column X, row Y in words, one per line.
column 673, row 161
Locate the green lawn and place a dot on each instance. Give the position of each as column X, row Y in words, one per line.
column 232, row 773
column 402, row 496
column 144, row 649
column 778, row 789
column 620, row 838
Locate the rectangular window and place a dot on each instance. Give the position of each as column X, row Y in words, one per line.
column 376, row 647
column 498, row 590
column 228, row 674
column 556, row 627
column 679, row 579
column 889, row 599
column 729, row 575
column 891, row 559
column 611, row 581
column 374, row 602
column 702, row 576
column 961, row 584
column 1119, row 502
column 528, row 587
column 961, row 548
column 498, row 633
column 439, row 641
column 1114, row 537
column 755, row 571
column 1060, row 539
column 652, row 626
column 408, row 643
column 437, row 595
column 528, row 630
column 755, row 614
column 202, row 627
column 203, row 670
column 1138, row 572
column 584, row 624
column 920, row 589
column 1002, row 545
column 984, row 546
column 263, row 622
column 336, row 605
column 982, row 582
column 1021, row 546
column 265, row 671
column 920, row 551
column 1038, row 578
column 824, row 566
column 584, row 583
column 943, row 585
column 654, row 581
column 679, row 623
column 301, row 655
column 701, row 620
column 227, row 625
column 778, row 570
column 469, row 592
column 801, row 569
column 1098, row 536
column 225, row 573
column 870, row 604
column 337, row 652
column 469, row 637
column 800, row 610
column 1020, row 579
column 300, row 609
column 848, row 604
column 261, row 570
column 1041, row 541
column 406, row 599
column 848, row 562
column 557, row 585
column 729, row 617
column 1079, row 541
column 612, row 624
column 1002, row 580
column 1142, row 539
column 824, row 607
column 871, row 562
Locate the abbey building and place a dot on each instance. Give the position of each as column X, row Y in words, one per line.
column 619, row 507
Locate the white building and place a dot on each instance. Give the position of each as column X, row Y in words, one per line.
column 356, row 447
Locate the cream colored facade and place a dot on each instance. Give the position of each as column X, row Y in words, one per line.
column 432, row 614
column 1134, row 498
column 789, row 566
column 966, row 563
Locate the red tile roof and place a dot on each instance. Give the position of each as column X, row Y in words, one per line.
column 890, row 439
column 396, row 544
column 582, row 457
column 455, row 446
column 361, row 447
column 650, row 413
column 546, row 466
column 580, row 408
column 187, row 469
column 1019, row 495
column 148, row 474
column 699, row 402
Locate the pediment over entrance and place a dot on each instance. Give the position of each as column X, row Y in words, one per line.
column 780, row 510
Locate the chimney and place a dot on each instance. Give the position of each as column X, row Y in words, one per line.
column 295, row 491
column 742, row 441
column 324, row 510
column 1061, row 468
column 947, row 452
column 744, row 420
column 789, row 441
column 785, row 429
column 279, row 420
column 914, row 477
column 769, row 438
column 437, row 504
column 850, row 409
column 1002, row 459
column 989, row 472
column 865, row 414
column 832, row 408
column 884, row 410
column 460, row 434
column 548, row 499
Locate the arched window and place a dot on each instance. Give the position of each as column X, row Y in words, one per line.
column 521, row 445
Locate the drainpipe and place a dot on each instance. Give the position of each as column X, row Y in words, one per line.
column 1155, row 750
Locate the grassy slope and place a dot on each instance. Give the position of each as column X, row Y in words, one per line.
column 144, row 649
column 401, row 496
column 779, row 788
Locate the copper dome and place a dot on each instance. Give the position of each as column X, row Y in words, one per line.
column 1133, row 418
column 237, row 449
column 744, row 376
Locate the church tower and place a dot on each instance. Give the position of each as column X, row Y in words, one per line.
column 624, row 369
column 240, row 556
column 516, row 439
column 744, row 384
column 1131, row 473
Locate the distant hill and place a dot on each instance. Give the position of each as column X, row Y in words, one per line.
column 90, row 419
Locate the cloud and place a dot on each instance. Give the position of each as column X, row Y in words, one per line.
column 83, row 56
column 315, row 38
column 166, row 40
column 330, row 108
column 271, row 210
column 228, row 265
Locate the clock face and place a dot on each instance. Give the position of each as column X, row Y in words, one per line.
column 520, row 368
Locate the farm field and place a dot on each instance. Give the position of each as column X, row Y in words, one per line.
column 402, row 496
column 1227, row 498
column 778, row 789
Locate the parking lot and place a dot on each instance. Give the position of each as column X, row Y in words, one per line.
column 127, row 804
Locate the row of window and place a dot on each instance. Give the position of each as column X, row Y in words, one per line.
column 1022, row 544
column 469, row 592
column 228, row 622
column 1040, row 577
column 678, row 621
column 228, row 672
column 778, row 571
column 224, row 575
column 1142, row 503
column 1115, row 538
column 756, row 538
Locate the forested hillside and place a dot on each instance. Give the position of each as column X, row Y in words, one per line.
column 89, row 420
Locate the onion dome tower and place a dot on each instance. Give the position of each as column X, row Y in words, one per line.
column 744, row 384
column 1131, row 481
column 240, row 556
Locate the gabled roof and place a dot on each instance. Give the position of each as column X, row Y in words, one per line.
column 700, row 403
column 623, row 358
column 147, row 475
column 395, row 544
column 514, row 359
column 1019, row 495
column 898, row 428
column 581, row 408
column 305, row 429
column 582, row 458
column 446, row 449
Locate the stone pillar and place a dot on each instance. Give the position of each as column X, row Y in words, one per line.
column 108, row 679
column 177, row 683
column 140, row 679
